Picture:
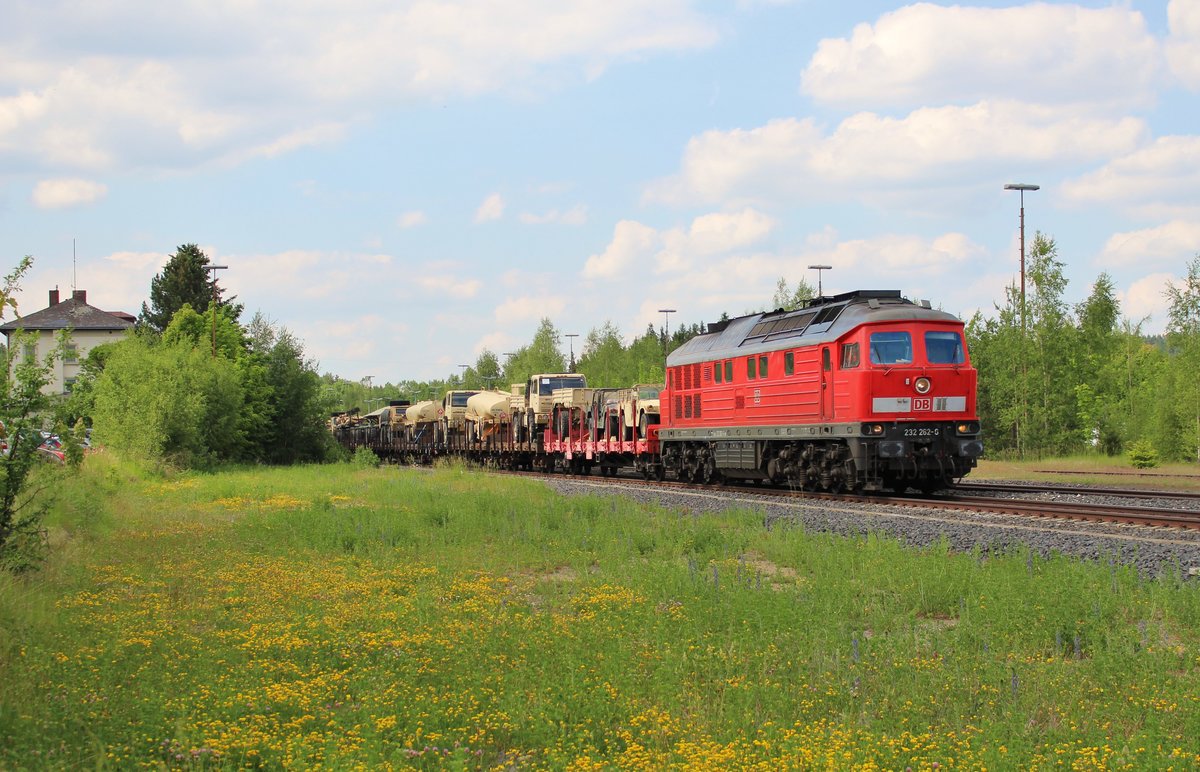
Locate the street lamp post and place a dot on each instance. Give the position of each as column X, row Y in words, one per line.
column 571, row 336
column 666, row 312
column 818, row 269
column 1022, row 187
column 212, row 269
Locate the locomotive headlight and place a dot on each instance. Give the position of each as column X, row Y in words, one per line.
column 922, row 385
column 872, row 430
column 967, row 427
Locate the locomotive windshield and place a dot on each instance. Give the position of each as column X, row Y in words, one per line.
column 891, row 348
column 548, row 385
column 944, row 348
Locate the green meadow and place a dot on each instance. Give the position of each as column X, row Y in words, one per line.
column 348, row 618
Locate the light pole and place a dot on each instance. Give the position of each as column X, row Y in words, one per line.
column 1022, row 187
column 212, row 269
column 571, row 336
column 818, row 269
column 463, row 376
column 666, row 312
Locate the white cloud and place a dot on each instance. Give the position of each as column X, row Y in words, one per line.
column 411, row 219
column 790, row 159
column 1173, row 243
column 576, row 215
column 93, row 88
column 1146, row 297
column 58, row 194
column 631, row 243
column 1040, row 52
column 1161, row 179
column 635, row 246
column 530, row 307
column 451, row 285
column 1183, row 44
column 492, row 208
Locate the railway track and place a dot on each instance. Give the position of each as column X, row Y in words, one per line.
column 1117, row 513
column 1082, row 490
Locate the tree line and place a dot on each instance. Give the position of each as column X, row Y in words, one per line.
column 1061, row 379
column 195, row 386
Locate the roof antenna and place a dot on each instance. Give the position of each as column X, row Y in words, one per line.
column 73, row 282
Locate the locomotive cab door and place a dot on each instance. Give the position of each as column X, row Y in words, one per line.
column 826, row 383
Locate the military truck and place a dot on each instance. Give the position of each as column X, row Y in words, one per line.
column 452, row 415
column 536, row 405
column 638, row 406
column 569, row 409
column 486, row 412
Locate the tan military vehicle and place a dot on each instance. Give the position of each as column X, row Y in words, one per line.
column 486, row 412
column 569, row 409
column 420, row 419
column 639, row 408
column 453, row 413
column 537, row 404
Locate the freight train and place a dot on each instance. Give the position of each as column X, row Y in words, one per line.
column 862, row 391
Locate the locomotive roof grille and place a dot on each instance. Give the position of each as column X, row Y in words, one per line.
column 822, row 319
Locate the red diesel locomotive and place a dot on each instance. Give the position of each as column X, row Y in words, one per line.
column 860, row 391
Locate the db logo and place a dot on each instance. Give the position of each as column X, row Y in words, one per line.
column 923, row 403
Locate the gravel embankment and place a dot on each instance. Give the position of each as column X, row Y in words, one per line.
column 1153, row 551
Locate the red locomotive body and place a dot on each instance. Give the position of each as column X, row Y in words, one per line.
column 865, row 390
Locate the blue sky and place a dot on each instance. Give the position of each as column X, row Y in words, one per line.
column 403, row 184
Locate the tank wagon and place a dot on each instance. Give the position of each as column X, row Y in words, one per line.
column 861, row 391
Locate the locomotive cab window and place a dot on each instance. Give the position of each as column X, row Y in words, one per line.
column 789, row 363
column 944, row 348
column 751, row 368
column 849, row 356
column 891, row 348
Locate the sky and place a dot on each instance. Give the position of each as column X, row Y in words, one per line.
column 404, row 184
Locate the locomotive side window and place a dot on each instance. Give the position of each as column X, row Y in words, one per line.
column 944, row 348
column 729, row 371
column 849, row 356
column 751, row 368
column 891, row 348
column 762, row 366
column 826, row 365
column 717, row 372
column 789, row 363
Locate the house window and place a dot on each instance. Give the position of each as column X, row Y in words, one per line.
column 70, row 354
column 68, row 385
column 30, row 352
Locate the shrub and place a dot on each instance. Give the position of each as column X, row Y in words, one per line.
column 1142, row 454
column 364, row 458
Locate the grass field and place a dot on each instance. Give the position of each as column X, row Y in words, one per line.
column 1109, row 472
column 349, row 618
